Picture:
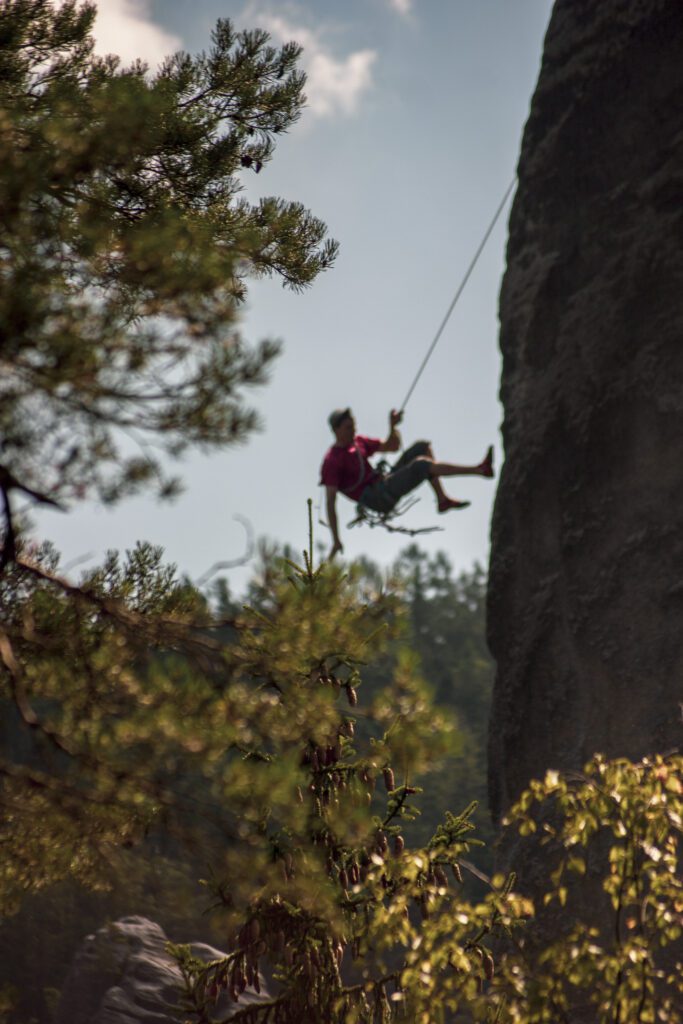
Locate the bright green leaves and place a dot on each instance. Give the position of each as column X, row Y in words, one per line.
column 612, row 837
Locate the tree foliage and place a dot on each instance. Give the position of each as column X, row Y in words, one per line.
column 446, row 627
column 391, row 934
column 354, row 924
column 612, row 832
column 152, row 874
column 126, row 247
column 132, row 713
column 138, row 711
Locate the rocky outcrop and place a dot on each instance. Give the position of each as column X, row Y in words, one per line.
column 123, row 975
column 585, row 614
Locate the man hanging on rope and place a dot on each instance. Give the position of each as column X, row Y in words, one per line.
column 346, row 468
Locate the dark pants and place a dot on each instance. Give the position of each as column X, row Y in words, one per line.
column 405, row 475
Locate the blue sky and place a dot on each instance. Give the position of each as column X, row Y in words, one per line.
column 410, row 138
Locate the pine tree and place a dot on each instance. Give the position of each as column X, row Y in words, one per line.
column 126, row 248
column 321, row 886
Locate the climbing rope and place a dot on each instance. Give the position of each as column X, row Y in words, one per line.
column 367, row 516
column 457, row 295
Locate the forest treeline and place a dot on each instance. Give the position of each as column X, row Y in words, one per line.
column 240, row 799
column 442, row 619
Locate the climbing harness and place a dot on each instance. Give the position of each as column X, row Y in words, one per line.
column 368, row 517
column 371, row 517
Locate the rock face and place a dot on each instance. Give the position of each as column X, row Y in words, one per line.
column 585, row 613
column 123, row 975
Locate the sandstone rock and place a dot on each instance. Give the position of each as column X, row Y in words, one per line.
column 123, row 975
column 585, row 608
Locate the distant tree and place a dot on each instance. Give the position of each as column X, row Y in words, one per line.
column 126, row 247
column 443, row 622
column 448, row 624
column 446, row 616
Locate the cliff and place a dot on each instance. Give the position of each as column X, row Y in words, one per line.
column 585, row 606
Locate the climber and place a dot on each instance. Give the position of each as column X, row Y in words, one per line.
column 346, row 468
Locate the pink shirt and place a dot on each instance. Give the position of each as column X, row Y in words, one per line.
column 348, row 468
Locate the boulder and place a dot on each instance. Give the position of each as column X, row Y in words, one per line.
column 585, row 599
column 123, row 975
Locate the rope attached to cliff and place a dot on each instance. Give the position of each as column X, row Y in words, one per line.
column 461, row 288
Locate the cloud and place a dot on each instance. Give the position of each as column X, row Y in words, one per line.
column 402, row 7
column 125, row 27
column 333, row 85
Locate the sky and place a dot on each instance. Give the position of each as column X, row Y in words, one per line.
column 407, row 145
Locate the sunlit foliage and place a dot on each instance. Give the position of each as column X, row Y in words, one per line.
column 611, row 834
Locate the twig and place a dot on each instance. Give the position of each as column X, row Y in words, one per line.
column 9, row 547
column 233, row 563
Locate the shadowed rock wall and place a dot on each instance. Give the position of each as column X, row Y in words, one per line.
column 585, row 612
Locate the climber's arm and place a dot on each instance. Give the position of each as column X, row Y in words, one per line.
column 331, row 494
column 393, row 441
